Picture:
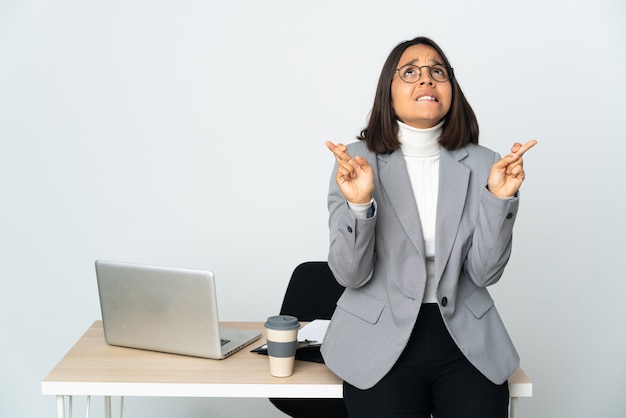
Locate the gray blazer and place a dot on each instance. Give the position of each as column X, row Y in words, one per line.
column 381, row 262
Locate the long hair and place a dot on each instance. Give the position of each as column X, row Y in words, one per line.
column 381, row 134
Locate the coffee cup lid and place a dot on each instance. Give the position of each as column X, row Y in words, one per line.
column 285, row 322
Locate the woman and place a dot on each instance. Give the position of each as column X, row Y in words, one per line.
column 421, row 220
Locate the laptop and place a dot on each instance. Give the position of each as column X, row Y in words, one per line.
column 166, row 309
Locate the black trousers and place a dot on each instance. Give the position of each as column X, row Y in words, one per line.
column 431, row 376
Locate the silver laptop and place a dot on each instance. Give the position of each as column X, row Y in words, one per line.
column 165, row 309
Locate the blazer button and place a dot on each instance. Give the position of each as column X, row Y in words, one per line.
column 509, row 216
column 444, row 301
column 350, row 229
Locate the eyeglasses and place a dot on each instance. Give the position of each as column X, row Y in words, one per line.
column 412, row 73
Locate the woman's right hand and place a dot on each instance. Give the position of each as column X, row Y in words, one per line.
column 355, row 176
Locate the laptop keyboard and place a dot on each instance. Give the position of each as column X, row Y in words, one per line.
column 224, row 341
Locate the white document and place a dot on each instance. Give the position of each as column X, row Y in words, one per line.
column 313, row 332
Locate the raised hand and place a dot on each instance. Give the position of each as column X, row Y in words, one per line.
column 507, row 175
column 355, row 176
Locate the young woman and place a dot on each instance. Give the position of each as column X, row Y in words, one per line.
column 421, row 221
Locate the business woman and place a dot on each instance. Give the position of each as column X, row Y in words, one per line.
column 421, row 221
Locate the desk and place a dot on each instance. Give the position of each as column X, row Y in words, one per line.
column 94, row 368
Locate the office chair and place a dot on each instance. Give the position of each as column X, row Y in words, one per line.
column 312, row 293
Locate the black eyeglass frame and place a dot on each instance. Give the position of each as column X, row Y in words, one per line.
column 449, row 72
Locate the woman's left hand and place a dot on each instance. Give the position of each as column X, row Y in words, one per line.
column 507, row 175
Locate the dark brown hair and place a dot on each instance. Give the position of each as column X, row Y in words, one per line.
column 381, row 134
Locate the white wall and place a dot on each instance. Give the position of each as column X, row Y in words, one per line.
column 190, row 133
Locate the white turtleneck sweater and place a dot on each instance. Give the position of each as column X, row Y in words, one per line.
column 421, row 153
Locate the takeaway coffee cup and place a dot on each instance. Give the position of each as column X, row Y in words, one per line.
column 282, row 340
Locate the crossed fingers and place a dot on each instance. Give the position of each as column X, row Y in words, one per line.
column 519, row 149
column 339, row 151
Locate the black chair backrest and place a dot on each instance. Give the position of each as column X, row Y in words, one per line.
column 312, row 292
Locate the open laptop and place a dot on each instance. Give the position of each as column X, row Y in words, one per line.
column 165, row 309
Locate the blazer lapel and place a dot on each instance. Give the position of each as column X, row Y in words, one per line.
column 453, row 184
column 396, row 185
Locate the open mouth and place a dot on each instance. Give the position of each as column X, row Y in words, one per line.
column 427, row 98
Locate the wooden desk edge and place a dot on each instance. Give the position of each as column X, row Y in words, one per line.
column 519, row 385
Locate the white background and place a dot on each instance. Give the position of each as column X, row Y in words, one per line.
column 191, row 133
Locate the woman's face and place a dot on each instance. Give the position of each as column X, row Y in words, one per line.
column 425, row 103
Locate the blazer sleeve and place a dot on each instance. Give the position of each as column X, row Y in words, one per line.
column 351, row 251
column 492, row 239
